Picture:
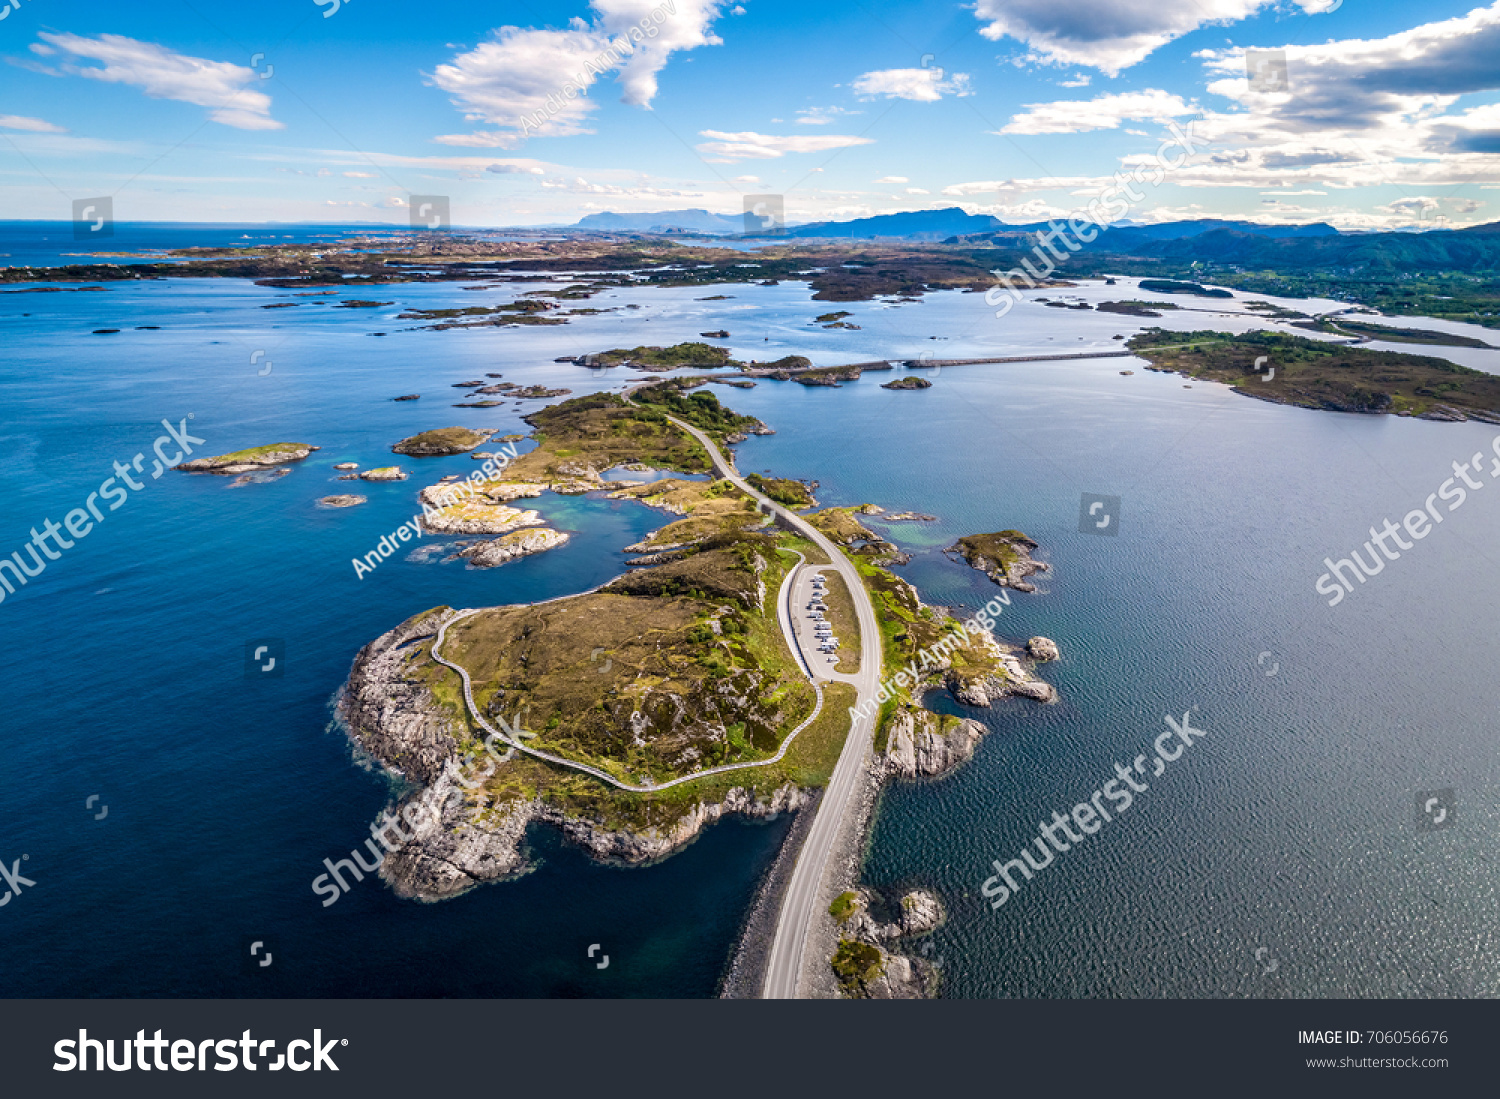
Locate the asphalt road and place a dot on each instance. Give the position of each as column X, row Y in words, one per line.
column 799, row 906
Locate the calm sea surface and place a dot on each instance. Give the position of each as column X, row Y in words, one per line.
column 1280, row 856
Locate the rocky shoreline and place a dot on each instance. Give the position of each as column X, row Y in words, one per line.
column 856, row 955
column 1005, row 557
column 479, row 836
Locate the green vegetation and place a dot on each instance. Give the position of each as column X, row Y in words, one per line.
column 682, row 354
column 722, row 567
column 856, row 964
column 702, row 409
column 249, row 458
column 272, row 453
column 687, row 669
column 524, row 311
column 908, row 628
column 829, row 318
column 439, row 441
column 709, row 678
column 1317, row 374
column 710, row 508
column 1169, row 286
column 1004, row 549
column 832, row 375
column 1392, row 334
column 1273, row 312
column 786, row 362
column 843, row 906
column 600, row 431
column 840, row 525
column 1135, row 308
column 789, row 493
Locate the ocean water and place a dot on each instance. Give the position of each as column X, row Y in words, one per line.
column 53, row 243
column 1286, row 835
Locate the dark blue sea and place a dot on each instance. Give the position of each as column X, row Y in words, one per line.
column 1280, row 856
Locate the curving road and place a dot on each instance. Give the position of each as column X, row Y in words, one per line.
column 603, row 776
column 800, row 905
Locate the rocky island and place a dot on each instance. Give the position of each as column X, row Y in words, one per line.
column 632, row 695
column 384, row 473
column 442, row 441
column 1319, row 374
column 1005, row 557
column 249, row 460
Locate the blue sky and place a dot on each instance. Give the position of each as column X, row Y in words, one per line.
column 1388, row 116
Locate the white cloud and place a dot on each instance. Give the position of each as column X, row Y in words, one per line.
column 917, row 191
column 922, row 85
column 1360, row 112
column 1108, row 35
column 534, row 82
column 580, row 186
column 522, row 73
column 1081, row 80
column 685, row 27
column 1025, row 186
column 1104, row 112
column 893, row 179
column 226, row 88
column 29, row 125
column 515, row 168
column 360, row 175
column 725, row 148
column 1415, row 206
column 821, row 116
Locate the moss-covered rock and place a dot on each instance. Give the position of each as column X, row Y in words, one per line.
column 442, row 441
column 250, row 459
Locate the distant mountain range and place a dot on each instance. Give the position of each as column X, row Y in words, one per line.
column 944, row 224
column 910, row 225
column 1240, row 243
column 696, row 221
column 1476, row 248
